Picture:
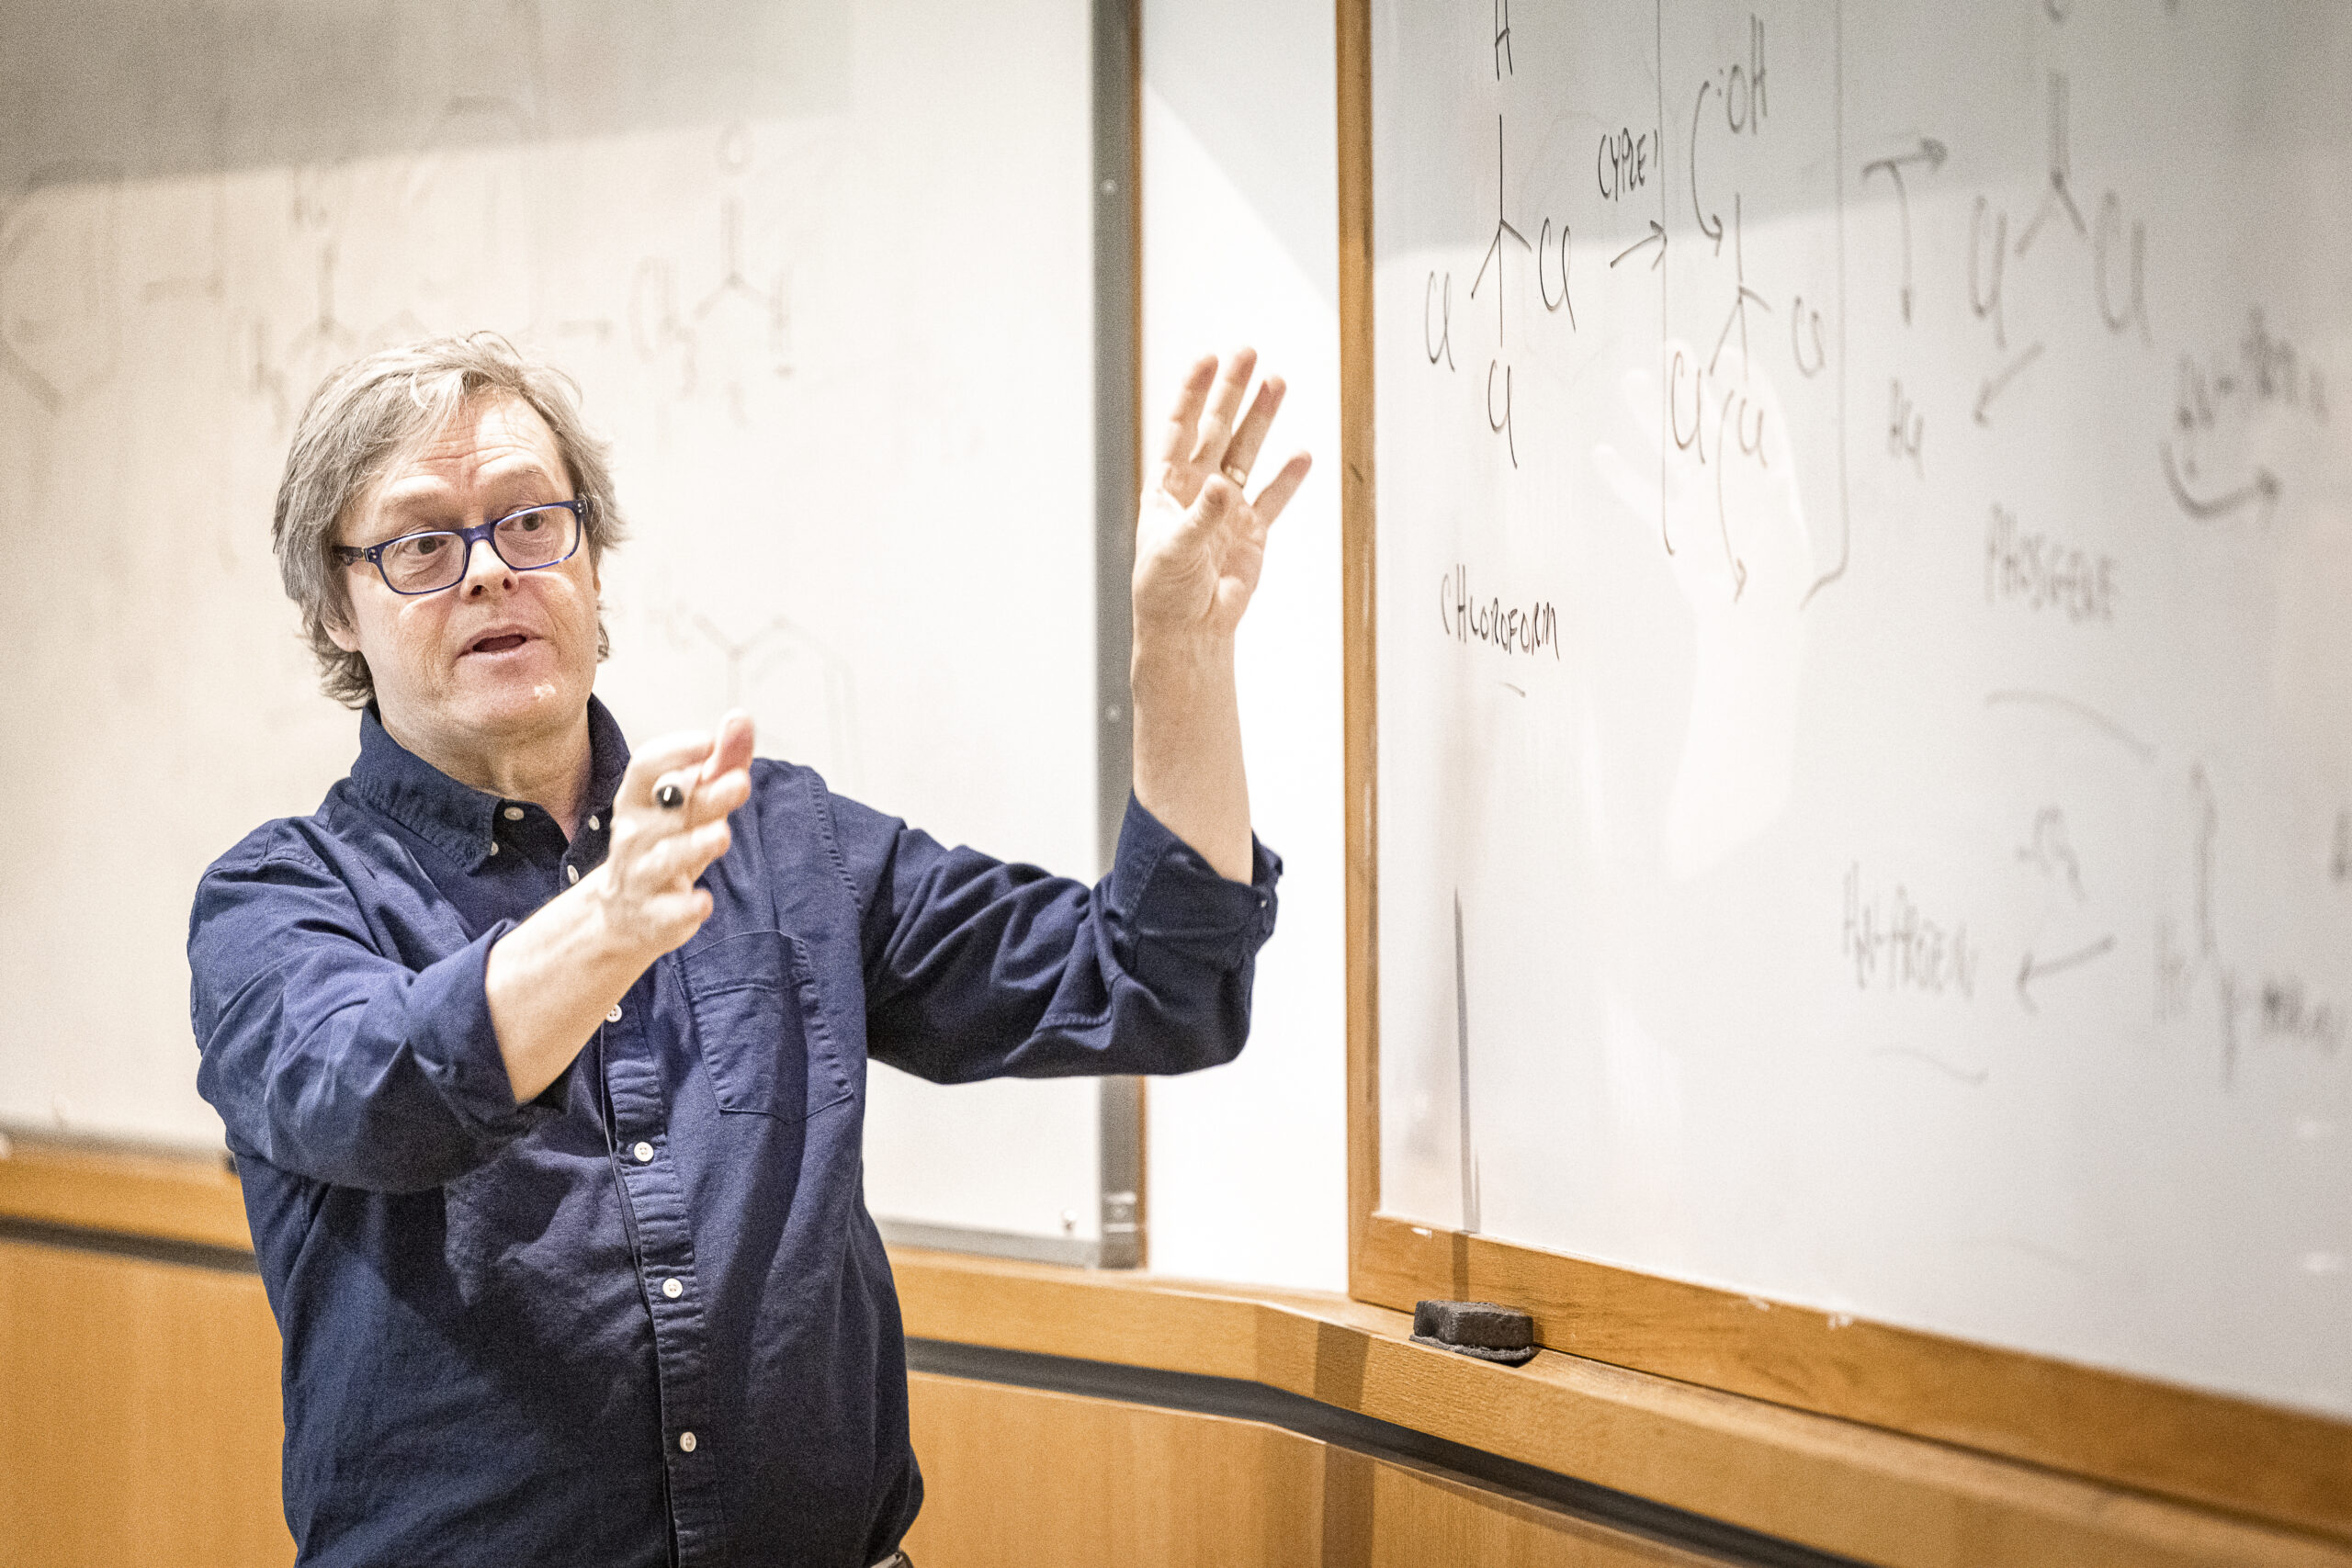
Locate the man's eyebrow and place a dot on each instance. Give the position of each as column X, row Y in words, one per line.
column 526, row 476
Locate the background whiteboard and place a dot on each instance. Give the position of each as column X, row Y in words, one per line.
column 823, row 273
column 1865, row 534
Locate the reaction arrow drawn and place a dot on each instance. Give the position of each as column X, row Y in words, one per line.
column 2029, row 971
column 1656, row 237
column 1930, row 152
column 1994, row 387
column 1710, row 226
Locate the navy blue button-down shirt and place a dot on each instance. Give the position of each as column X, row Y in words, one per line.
column 643, row 1317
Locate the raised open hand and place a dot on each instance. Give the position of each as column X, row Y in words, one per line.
column 1200, row 539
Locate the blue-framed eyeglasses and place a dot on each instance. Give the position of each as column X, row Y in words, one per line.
column 529, row 540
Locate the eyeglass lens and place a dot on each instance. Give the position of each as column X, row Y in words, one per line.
column 526, row 540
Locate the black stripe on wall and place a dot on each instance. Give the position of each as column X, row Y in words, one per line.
column 153, row 1249
column 1365, row 1435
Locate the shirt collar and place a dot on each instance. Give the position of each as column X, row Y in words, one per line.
column 456, row 818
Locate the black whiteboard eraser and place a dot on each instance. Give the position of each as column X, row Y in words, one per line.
column 1483, row 1329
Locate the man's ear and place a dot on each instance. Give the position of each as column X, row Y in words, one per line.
column 340, row 634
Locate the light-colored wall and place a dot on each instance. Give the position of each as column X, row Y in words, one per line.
column 1248, row 1162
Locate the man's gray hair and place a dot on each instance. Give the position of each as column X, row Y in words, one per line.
column 369, row 413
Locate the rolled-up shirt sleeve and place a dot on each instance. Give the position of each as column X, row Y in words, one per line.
column 325, row 1057
column 979, row 968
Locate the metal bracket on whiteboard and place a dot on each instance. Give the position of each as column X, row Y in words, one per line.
column 1117, row 412
column 1118, row 354
column 1123, row 1233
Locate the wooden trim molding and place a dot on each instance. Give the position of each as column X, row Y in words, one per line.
column 167, row 1197
column 1360, row 711
column 2283, row 1466
column 1832, row 1485
column 2247, row 1458
column 1228, row 1399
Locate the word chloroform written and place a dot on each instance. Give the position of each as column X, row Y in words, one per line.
column 1530, row 628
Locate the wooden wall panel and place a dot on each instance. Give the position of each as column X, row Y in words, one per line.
column 1099, row 1481
column 139, row 1414
column 139, row 1423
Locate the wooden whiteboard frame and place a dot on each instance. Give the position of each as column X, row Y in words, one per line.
column 2274, row 1464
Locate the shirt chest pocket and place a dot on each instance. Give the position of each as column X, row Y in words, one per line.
column 762, row 1027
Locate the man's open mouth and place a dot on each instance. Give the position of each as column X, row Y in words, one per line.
column 506, row 642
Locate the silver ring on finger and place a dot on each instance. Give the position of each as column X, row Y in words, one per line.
column 1238, row 474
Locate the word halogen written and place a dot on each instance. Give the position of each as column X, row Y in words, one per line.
column 1893, row 946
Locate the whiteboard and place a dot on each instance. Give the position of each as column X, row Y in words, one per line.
column 1865, row 534
column 823, row 273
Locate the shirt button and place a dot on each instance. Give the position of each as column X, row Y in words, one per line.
column 571, row 873
column 613, row 1013
column 644, row 1153
column 685, row 1442
column 672, row 1289
column 594, row 824
column 514, row 814
column 493, row 846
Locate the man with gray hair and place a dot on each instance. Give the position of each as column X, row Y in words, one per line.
column 544, row 1062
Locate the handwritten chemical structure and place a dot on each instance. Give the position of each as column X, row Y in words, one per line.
column 803, row 694
column 1778, row 248
column 61, row 328
column 1886, row 698
column 282, row 377
column 1670, row 205
column 1548, row 253
column 374, row 253
column 1742, row 121
column 735, row 330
